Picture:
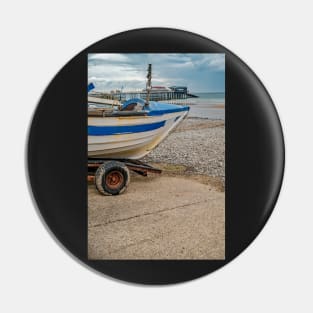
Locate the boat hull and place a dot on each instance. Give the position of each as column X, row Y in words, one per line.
column 130, row 137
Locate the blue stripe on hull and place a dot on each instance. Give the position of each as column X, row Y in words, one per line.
column 117, row 130
column 166, row 111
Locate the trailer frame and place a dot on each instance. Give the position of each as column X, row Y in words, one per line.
column 136, row 166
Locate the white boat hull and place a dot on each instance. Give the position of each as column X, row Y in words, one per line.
column 138, row 136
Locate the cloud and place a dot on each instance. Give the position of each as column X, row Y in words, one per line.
column 217, row 62
column 198, row 71
column 111, row 57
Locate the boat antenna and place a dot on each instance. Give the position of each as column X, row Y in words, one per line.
column 148, row 87
column 121, row 93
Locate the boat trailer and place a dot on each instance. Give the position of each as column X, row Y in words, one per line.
column 112, row 176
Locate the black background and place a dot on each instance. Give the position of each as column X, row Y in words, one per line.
column 57, row 155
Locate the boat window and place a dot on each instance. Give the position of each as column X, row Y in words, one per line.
column 129, row 107
column 132, row 106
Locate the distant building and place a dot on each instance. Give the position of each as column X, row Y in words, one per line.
column 182, row 89
column 158, row 89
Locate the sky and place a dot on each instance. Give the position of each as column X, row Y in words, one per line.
column 200, row 72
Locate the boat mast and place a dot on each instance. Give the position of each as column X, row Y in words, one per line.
column 148, row 87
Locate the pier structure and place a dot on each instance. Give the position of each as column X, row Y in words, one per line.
column 157, row 93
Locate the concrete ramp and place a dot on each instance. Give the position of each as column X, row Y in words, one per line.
column 158, row 217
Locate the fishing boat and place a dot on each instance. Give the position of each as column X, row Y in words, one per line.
column 133, row 129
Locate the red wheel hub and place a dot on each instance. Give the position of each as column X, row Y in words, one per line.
column 114, row 179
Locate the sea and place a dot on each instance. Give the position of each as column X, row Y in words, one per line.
column 208, row 105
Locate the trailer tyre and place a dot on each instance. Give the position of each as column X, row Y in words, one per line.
column 112, row 178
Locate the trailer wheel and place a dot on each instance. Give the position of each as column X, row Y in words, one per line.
column 112, row 178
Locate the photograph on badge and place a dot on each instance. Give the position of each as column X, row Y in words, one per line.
column 156, row 156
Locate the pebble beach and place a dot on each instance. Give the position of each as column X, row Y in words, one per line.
column 198, row 144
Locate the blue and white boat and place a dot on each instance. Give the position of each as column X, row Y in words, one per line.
column 133, row 130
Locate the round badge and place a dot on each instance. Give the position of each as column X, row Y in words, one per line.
column 155, row 156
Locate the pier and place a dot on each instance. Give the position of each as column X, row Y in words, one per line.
column 156, row 94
